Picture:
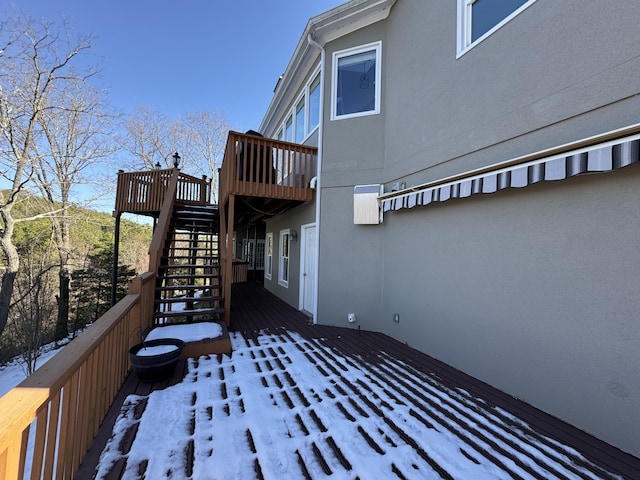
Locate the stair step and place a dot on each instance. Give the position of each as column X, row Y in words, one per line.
column 201, row 256
column 194, row 218
column 183, row 215
column 189, row 224
column 187, row 300
column 192, row 239
column 178, row 276
column 189, row 265
column 187, row 257
column 173, row 288
column 189, row 313
column 196, row 208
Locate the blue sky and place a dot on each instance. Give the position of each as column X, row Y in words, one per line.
column 188, row 56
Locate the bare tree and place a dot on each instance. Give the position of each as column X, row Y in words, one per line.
column 200, row 138
column 76, row 129
column 33, row 311
column 38, row 61
column 203, row 143
column 150, row 139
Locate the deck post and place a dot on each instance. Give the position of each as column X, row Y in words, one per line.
column 116, row 245
column 222, row 244
column 228, row 268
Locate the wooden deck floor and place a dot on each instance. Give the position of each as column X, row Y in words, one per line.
column 255, row 312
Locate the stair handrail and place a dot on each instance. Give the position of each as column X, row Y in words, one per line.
column 162, row 227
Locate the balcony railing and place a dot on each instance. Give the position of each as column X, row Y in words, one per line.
column 261, row 167
column 144, row 192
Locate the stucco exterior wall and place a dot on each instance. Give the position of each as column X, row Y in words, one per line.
column 350, row 264
column 293, row 219
column 533, row 291
column 553, row 74
column 353, row 149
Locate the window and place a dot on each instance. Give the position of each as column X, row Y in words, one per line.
column 259, row 259
column 268, row 256
column 314, row 104
column 300, row 132
column 356, row 82
column 303, row 117
column 288, row 129
column 283, row 268
column 477, row 19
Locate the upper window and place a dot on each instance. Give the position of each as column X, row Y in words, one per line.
column 302, row 118
column 477, row 19
column 288, row 129
column 300, row 133
column 356, row 82
column 314, row 104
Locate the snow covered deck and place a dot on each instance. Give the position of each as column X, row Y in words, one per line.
column 301, row 401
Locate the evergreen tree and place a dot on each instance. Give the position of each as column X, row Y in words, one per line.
column 91, row 286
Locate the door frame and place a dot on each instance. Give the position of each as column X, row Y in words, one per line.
column 303, row 254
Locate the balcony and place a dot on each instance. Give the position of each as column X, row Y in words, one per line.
column 258, row 167
column 144, row 192
column 270, row 177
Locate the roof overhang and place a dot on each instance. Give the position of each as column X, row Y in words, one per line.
column 322, row 29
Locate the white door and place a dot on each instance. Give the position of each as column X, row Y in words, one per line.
column 308, row 269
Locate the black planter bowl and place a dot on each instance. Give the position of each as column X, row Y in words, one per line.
column 149, row 368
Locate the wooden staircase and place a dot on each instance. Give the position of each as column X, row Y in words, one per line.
column 189, row 283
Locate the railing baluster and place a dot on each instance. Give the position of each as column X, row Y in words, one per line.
column 52, row 436
column 39, row 444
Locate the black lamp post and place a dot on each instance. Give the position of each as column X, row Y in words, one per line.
column 176, row 160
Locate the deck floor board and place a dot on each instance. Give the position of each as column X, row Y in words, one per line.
column 256, row 313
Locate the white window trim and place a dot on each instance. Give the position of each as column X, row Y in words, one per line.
column 267, row 254
column 464, row 43
column 377, row 46
column 281, row 280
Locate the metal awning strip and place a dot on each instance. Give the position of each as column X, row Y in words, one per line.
column 599, row 158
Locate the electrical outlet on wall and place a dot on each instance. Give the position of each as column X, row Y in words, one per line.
column 351, row 317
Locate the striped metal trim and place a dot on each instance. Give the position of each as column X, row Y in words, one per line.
column 600, row 158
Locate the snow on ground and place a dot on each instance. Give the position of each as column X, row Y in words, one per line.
column 286, row 408
column 189, row 332
column 15, row 371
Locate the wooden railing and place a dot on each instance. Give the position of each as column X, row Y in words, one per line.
column 240, row 271
column 262, row 167
column 144, row 192
column 49, row 420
